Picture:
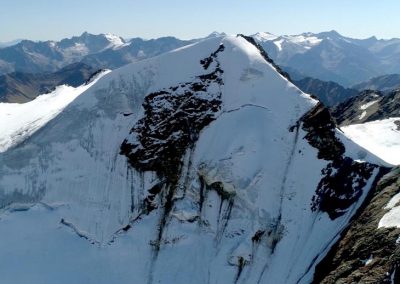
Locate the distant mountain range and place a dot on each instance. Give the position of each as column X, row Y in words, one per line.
column 330, row 56
column 98, row 51
column 326, row 56
column 49, row 56
column 134, row 50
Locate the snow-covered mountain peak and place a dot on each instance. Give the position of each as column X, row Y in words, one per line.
column 115, row 41
column 262, row 36
column 306, row 40
column 206, row 154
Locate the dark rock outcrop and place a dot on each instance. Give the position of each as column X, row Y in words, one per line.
column 172, row 122
column 341, row 186
column 171, row 125
column 363, row 240
column 343, row 179
column 320, row 128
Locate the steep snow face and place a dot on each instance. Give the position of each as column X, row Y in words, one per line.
column 19, row 121
column 381, row 137
column 225, row 175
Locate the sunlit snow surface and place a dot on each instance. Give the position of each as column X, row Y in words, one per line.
column 83, row 192
column 18, row 121
column 381, row 137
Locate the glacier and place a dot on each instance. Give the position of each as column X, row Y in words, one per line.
column 381, row 137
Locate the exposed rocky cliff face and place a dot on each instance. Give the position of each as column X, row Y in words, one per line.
column 173, row 120
column 366, row 252
column 367, row 106
column 343, row 178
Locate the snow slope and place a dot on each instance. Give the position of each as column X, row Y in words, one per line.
column 19, row 121
column 381, row 137
column 74, row 210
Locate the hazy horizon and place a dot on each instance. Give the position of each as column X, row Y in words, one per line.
column 189, row 38
column 54, row 20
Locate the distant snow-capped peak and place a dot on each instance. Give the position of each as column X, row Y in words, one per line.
column 305, row 40
column 115, row 41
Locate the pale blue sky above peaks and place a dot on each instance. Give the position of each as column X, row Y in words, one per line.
column 56, row 19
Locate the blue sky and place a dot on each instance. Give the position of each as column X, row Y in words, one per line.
column 56, row 19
